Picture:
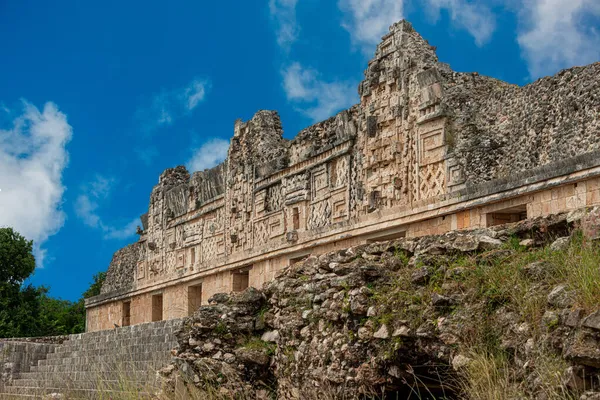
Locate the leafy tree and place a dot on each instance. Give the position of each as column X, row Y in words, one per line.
column 95, row 286
column 16, row 258
column 29, row 311
column 19, row 305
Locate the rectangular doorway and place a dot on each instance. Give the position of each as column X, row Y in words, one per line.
column 157, row 307
column 194, row 298
column 126, row 313
column 508, row 215
column 385, row 236
column 240, row 279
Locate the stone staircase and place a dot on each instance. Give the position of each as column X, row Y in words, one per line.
column 100, row 364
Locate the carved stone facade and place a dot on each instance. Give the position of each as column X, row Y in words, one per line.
column 426, row 150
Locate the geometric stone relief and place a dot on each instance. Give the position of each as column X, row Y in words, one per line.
column 339, row 172
column 455, row 174
column 155, row 267
column 212, row 247
column 273, row 201
column 171, row 240
column 259, row 202
column 296, row 188
column 340, row 206
column 180, row 260
column 261, row 232
column 431, row 159
column 141, row 269
column 276, row 225
column 319, row 182
column 431, row 180
column 193, row 232
column 431, row 147
column 213, row 223
column 320, row 214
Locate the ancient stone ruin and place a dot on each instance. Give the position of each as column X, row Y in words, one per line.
column 336, row 213
column 428, row 150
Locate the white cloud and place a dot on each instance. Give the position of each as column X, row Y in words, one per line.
column 314, row 97
column 557, row 34
column 474, row 17
column 283, row 14
column 195, row 93
column 167, row 106
column 368, row 20
column 33, row 157
column 208, row 155
column 88, row 203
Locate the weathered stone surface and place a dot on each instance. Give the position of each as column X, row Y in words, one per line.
column 560, row 297
column 121, row 269
column 560, row 244
column 592, row 321
column 424, row 144
column 356, row 349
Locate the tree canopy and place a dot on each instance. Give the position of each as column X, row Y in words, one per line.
column 26, row 310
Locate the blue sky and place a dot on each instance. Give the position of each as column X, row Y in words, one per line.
column 98, row 98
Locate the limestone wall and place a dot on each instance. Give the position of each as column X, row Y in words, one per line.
column 425, row 151
column 17, row 356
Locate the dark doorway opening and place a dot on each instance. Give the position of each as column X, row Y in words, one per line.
column 126, row 313
column 508, row 215
column 240, row 279
column 194, row 298
column 157, row 307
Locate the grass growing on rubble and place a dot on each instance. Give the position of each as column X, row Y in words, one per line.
column 485, row 283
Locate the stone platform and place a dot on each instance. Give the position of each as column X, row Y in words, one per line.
column 87, row 365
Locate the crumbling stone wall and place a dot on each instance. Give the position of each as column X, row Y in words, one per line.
column 498, row 129
column 120, row 274
column 399, row 318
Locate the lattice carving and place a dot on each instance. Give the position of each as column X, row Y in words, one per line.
column 261, row 232
column 432, row 179
column 273, row 201
column 320, row 214
column 209, row 249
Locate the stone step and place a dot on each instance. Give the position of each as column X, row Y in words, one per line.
column 67, row 348
column 98, row 360
column 83, row 375
column 97, row 384
column 107, row 358
column 72, row 394
column 116, row 366
column 137, row 349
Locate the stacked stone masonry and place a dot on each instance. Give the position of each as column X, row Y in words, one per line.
column 84, row 364
column 427, row 150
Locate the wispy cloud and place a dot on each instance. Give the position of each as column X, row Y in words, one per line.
column 195, row 93
column 557, row 34
column 368, row 20
column 33, row 156
column 314, row 97
column 474, row 17
column 146, row 154
column 208, row 155
column 166, row 107
column 283, row 15
column 88, row 202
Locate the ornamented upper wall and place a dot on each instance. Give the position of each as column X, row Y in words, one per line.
column 420, row 132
